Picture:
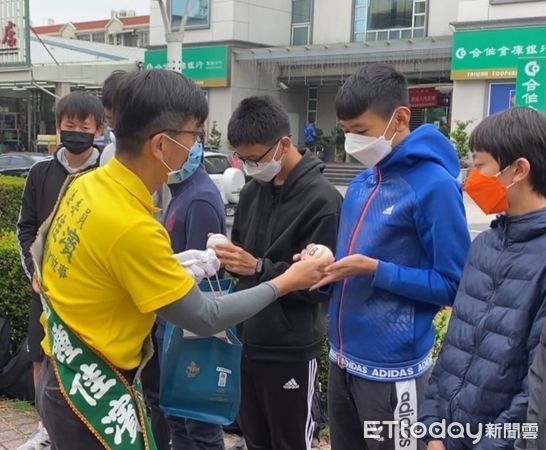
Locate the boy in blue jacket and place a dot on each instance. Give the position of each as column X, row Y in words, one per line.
column 480, row 379
column 401, row 247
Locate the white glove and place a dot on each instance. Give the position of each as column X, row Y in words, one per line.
column 200, row 263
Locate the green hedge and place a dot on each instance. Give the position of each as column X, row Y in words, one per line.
column 11, row 192
column 441, row 322
column 15, row 291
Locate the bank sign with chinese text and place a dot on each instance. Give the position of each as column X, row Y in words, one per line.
column 531, row 83
column 494, row 54
column 14, row 33
column 206, row 66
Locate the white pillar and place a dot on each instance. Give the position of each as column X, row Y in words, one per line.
column 174, row 56
column 62, row 89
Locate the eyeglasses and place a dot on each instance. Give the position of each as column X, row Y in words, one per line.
column 198, row 134
column 255, row 162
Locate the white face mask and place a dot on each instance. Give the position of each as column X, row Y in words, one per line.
column 264, row 171
column 369, row 150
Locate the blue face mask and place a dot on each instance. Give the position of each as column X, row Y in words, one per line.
column 189, row 167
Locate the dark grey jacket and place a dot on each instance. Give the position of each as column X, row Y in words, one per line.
column 536, row 412
column 481, row 374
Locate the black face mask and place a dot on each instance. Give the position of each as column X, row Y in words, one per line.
column 77, row 142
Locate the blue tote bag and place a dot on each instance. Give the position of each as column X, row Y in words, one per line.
column 201, row 377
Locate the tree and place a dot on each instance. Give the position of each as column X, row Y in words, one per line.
column 459, row 137
column 215, row 138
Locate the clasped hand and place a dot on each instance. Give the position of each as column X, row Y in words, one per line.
column 350, row 266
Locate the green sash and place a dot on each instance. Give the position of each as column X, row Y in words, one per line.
column 95, row 390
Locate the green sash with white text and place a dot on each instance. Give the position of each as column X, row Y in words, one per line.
column 96, row 391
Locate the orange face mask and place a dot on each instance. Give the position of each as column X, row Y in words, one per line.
column 487, row 191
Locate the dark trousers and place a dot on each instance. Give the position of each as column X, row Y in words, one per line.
column 276, row 402
column 352, row 401
column 190, row 434
column 150, row 386
column 66, row 431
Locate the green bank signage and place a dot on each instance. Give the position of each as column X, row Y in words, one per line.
column 531, row 83
column 494, row 54
column 207, row 66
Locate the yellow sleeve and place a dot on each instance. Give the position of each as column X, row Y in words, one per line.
column 143, row 263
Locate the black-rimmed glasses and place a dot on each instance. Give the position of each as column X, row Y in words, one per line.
column 256, row 162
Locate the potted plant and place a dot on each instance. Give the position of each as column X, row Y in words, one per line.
column 338, row 138
column 459, row 138
column 215, row 138
column 323, row 144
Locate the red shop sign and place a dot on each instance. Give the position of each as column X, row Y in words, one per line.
column 423, row 97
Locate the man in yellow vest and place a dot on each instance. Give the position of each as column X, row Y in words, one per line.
column 106, row 269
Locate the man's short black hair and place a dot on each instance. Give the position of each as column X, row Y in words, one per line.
column 152, row 101
column 512, row 134
column 79, row 105
column 376, row 87
column 258, row 120
column 109, row 88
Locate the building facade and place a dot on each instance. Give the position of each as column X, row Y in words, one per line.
column 492, row 39
column 124, row 28
column 37, row 70
column 301, row 51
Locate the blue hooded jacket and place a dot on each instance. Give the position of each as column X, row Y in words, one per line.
column 408, row 213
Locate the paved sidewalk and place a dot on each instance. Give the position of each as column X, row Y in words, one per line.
column 18, row 420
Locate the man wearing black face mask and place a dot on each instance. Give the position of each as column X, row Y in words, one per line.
column 79, row 118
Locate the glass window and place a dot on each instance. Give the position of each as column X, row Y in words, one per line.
column 500, row 2
column 98, row 37
column 131, row 40
column 379, row 20
column 216, row 164
column 198, row 13
column 360, row 13
column 300, row 35
column 360, row 26
column 301, row 11
column 394, row 35
column 386, row 14
column 84, row 37
column 359, row 37
column 6, row 161
column 419, row 21
column 144, row 38
column 312, row 103
column 420, row 7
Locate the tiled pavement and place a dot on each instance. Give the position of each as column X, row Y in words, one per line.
column 18, row 420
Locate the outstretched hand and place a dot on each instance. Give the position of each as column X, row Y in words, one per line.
column 350, row 266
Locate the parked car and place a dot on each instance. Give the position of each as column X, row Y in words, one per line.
column 229, row 180
column 19, row 163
